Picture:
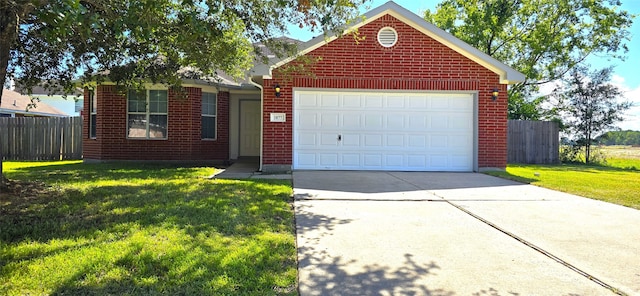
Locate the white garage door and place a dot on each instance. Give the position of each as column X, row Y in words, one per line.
column 397, row 131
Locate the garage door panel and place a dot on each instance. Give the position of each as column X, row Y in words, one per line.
column 373, row 141
column 417, row 161
column 306, row 120
column 395, row 140
column 351, row 101
column 417, row 102
column 417, row 141
column 328, row 159
column 372, row 160
column 378, row 131
column 351, row 140
column 329, row 120
column 307, row 140
column 351, row 121
column 306, row 159
column 307, row 100
column 459, row 141
column 373, row 121
column 351, row 160
column 395, row 102
column 440, row 103
column 438, row 122
column 329, row 139
column 438, row 141
column 394, row 161
column 418, row 122
column 330, row 100
column 395, row 122
column 373, row 101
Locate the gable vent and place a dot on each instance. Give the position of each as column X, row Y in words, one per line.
column 387, row 37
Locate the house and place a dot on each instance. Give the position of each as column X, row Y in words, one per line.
column 70, row 104
column 409, row 97
column 16, row 105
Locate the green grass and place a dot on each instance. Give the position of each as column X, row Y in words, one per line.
column 131, row 229
column 606, row 183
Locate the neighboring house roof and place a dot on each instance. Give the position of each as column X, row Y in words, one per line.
column 39, row 91
column 13, row 102
column 507, row 74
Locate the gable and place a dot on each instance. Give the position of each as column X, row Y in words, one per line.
column 414, row 56
column 391, row 12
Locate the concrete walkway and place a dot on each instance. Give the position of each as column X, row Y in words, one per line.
column 396, row 233
column 246, row 168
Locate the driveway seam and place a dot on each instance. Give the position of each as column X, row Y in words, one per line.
column 523, row 241
column 539, row 249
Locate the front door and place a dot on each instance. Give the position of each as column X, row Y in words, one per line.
column 250, row 128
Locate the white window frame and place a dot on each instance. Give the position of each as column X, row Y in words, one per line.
column 207, row 114
column 93, row 114
column 148, row 114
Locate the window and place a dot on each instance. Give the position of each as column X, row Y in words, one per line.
column 147, row 114
column 93, row 113
column 209, row 112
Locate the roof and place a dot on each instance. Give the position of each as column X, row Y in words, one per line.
column 39, row 90
column 13, row 102
column 507, row 74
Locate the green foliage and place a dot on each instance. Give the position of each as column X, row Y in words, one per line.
column 543, row 39
column 573, row 153
column 125, row 41
column 131, row 229
column 57, row 43
column 620, row 138
column 590, row 106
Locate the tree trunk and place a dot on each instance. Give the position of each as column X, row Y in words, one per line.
column 8, row 34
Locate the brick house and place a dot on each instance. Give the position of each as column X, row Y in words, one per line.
column 409, row 97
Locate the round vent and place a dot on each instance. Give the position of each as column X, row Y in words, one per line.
column 387, row 37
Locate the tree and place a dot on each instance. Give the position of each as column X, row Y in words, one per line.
column 620, row 138
column 591, row 105
column 543, row 39
column 59, row 42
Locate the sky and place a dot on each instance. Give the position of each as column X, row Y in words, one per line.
column 626, row 75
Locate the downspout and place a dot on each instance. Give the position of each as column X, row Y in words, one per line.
column 261, row 116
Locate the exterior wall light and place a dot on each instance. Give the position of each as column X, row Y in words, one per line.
column 277, row 88
column 494, row 94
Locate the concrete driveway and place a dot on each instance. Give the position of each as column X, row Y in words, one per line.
column 405, row 233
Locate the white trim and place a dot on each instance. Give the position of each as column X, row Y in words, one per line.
column 215, row 116
column 261, row 120
column 93, row 96
column 147, row 114
column 382, row 40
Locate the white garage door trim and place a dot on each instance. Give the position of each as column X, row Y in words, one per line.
column 384, row 130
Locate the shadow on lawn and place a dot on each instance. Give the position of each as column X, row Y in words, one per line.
column 207, row 218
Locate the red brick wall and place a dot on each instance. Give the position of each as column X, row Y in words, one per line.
column 183, row 135
column 416, row 62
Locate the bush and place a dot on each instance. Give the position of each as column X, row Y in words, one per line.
column 573, row 153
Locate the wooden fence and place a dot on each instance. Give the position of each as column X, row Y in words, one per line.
column 41, row 138
column 533, row 142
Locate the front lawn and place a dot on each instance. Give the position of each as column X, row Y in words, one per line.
column 610, row 184
column 130, row 229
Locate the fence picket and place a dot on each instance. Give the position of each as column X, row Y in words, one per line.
column 41, row 138
column 533, row 142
